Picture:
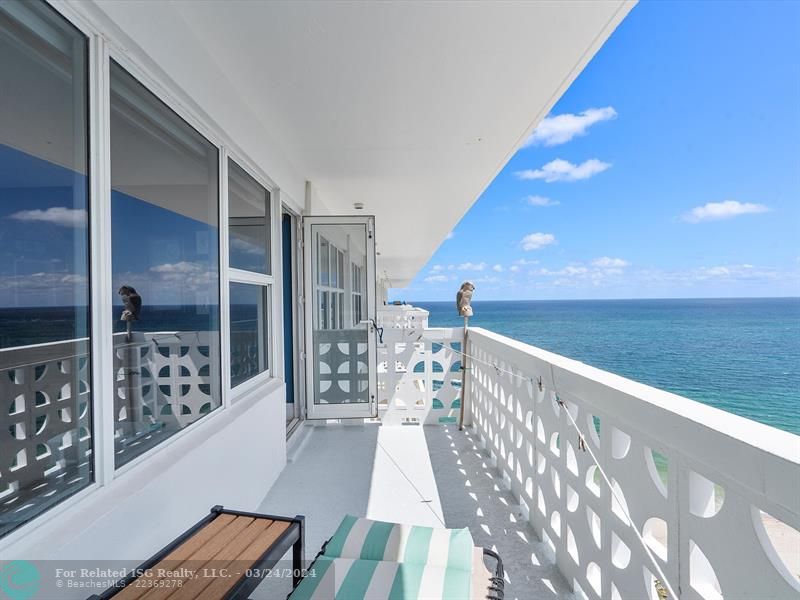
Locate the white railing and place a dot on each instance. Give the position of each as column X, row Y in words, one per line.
column 45, row 427
column 163, row 383
column 402, row 316
column 419, row 376
column 695, row 480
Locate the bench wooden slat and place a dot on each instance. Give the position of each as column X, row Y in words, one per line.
column 250, row 554
column 202, row 555
column 181, row 553
column 229, row 543
column 227, row 558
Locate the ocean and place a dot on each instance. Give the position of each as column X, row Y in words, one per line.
column 739, row 355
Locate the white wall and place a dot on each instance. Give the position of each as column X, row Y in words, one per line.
column 230, row 458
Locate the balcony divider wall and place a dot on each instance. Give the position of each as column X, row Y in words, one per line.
column 261, row 397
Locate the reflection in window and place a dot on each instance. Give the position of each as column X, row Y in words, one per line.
column 45, row 413
column 249, row 331
column 249, row 233
column 332, row 287
column 165, row 266
column 248, row 218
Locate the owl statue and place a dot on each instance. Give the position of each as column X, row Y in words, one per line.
column 132, row 303
column 464, row 298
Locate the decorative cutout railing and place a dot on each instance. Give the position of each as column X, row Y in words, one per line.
column 163, row 383
column 341, row 366
column 419, row 376
column 45, row 427
column 695, row 480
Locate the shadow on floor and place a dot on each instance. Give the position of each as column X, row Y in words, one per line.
column 472, row 495
column 329, row 477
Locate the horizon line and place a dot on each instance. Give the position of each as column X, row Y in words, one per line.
column 616, row 299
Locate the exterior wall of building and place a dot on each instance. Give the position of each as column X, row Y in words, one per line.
column 232, row 458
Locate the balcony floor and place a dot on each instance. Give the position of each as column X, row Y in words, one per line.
column 434, row 476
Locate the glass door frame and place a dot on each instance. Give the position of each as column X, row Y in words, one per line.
column 362, row 410
column 298, row 315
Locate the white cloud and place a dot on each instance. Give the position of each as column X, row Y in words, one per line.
column 437, row 278
column 246, row 247
column 437, row 268
column 450, row 235
column 514, row 268
column 498, row 268
column 541, row 201
column 569, row 270
column 576, row 274
column 606, row 262
column 563, row 170
column 534, row 241
column 558, row 129
column 181, row 268
column 522, row 262
column 727, row 209
column 469, row 266
column 57, row 215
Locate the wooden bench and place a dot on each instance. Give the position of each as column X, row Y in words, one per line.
column 224, row 556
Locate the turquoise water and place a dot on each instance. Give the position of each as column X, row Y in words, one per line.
column 740, row 355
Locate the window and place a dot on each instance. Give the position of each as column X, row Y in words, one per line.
column 330, row 285
column 248, row 222
column 249, row 331
column 165, row 270
column 46, row 410
column 358, row 291
column 251, row 279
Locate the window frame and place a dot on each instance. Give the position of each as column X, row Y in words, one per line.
column 234, row 275
column 107, row 43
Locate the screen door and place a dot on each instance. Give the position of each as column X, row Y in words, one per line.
column 341, row 349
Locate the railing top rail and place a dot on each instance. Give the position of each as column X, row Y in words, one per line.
column 20, row 356
column 16, row 357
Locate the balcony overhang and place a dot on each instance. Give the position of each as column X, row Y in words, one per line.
column 409, row 108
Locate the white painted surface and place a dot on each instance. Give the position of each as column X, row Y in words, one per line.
column 409, row 108
column 229, row 458
column 403, row 487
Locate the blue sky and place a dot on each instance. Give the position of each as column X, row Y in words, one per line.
column 677, row 170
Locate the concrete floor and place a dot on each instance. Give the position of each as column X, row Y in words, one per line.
column 434, row 476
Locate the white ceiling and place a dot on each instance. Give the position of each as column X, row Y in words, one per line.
column 410, row 108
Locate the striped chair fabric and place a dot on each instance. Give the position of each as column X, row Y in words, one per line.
column 368, row 559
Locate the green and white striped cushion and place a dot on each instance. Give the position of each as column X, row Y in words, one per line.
column 379, row 540
column 356, row 579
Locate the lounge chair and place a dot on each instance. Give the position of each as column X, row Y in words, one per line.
column 376, row 560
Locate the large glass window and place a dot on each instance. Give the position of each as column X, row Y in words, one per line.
column 165, row 263
column 251, row 280
column 45, row 396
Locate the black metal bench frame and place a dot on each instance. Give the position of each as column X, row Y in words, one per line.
column 293, row 537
